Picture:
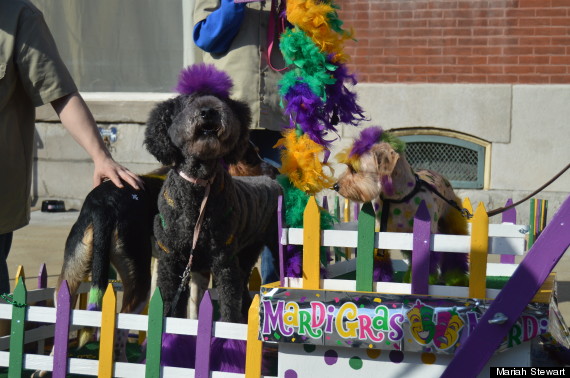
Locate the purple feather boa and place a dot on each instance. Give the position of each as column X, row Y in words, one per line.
column 204, row 78
column 317, row 118
column 294, row 261
column 306, row 108
column 341, row 102
column 226, row 355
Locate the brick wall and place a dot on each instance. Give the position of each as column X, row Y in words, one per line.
column 459, row 41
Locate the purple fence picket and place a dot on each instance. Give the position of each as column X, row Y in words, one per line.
column 63, row 312
column 204, row 337
column 42, row 277
column 42, row 281
column 281, row 247
column 421, row 251
column 513, row 298
column 509, row 216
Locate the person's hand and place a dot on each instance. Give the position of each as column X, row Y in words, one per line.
column 107, row 168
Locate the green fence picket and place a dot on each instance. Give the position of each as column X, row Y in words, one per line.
column 154, row 336
column 365, row 247
column 532, row 223
column 17, row 331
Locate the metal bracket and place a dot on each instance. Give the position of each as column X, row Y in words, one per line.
column 498, row 318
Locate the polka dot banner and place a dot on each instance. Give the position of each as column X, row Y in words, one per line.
column 331, row 357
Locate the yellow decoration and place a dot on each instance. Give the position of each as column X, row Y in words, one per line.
column 343, row 158
column 169, row 200
column 313, row 18
column 300, row 162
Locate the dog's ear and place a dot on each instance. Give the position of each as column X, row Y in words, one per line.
column 386, row 159
column 156, row 137
column 243, row 113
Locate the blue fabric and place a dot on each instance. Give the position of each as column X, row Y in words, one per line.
column 264, row 140
column 216, row 33
column 5, row 244
column 268, row 272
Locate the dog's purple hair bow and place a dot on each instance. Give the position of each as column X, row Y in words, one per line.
column 204, row 78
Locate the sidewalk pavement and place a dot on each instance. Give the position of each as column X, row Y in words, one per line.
column 43, row 241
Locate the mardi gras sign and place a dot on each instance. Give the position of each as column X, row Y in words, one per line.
column 369, row 320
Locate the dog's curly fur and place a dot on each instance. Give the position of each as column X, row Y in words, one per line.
column 197, row 134
column 384, row 174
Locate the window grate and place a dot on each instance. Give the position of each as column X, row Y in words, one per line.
column 456, row 163
column 460, row 161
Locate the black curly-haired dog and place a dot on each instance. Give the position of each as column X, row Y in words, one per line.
column 207, row 220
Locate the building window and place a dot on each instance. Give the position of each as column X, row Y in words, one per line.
column 461, row 161
column 122, row 46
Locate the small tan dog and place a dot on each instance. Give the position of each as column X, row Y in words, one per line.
column 378, row 171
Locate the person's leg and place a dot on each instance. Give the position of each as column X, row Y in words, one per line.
column 5, row 244
column 268, row 273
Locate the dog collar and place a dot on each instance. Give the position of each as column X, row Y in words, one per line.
column 195, row 180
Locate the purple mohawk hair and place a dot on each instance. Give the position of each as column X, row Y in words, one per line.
column 367, row 138
column 205, row 78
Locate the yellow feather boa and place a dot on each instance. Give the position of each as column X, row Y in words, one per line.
column 300, row 162
column 312, row 17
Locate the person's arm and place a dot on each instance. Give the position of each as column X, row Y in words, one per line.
column 79, row 122
column 216, row 33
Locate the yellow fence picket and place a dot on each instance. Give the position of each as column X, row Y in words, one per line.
column 108, row 323
column 467, row 206
column 311, row 245
column 254, row 280
column 254, row 345
column 19, row 273
column 479, row 253
column 347, row 251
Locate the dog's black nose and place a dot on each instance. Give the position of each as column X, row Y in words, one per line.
column 207, row 114
column 336, row 187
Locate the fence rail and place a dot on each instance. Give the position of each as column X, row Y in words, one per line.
column 507, row 240
column 61, row 319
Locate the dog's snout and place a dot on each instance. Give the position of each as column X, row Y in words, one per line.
column 208, row 114
column 336, row 187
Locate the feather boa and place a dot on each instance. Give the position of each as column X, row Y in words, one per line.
column 313, row 92
column 300, row 162
column 320, row 21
